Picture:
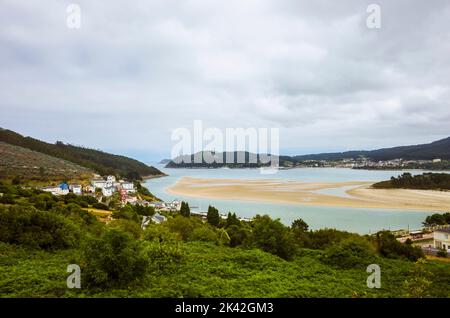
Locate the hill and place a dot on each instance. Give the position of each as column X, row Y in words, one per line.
column 28, row 165
column 438, row 149
column 96, row 160
column 222, row 159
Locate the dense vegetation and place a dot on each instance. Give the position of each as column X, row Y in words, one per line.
column 426, row 181
column 187, row 257
column 437, row 219
column 21, row 164
column 99, row 161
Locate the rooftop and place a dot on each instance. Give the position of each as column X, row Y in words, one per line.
column 446, row 230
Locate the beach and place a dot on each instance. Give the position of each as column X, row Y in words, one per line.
column 356, row 194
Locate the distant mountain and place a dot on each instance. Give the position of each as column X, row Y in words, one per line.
column 438, row 149
column 96, row 160
column 222, row 159
column 164, row 161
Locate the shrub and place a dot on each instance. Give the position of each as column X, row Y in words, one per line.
column 128, row 213
column 113, row 260
column 162, row 255
column 37, row 229
column 204, row 233
column 273, row 237
column 182, row 225
column 323, row 238
column 160, row 233
column 127, row 226
column 74, row 212
column 388, row 246
column 239, row 235
column 350, row 253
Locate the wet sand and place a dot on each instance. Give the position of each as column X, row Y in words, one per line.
column 360, row 194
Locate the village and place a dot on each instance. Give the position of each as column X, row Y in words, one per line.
column 104, row 188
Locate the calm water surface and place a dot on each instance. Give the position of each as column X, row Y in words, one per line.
column 361, row 220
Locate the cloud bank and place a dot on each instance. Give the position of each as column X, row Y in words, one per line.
column 135, row 71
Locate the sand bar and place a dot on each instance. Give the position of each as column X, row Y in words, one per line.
column 360, row 194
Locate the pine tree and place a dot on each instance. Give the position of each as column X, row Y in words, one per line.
column 213, row 216
column 185, row 210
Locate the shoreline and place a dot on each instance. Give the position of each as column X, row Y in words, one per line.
column 305, row 194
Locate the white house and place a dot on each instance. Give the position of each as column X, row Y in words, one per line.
column 62, row 189
column 53, row 190
column 100, row 183
column 111, row 178
column 76, row 189
column 442, row 239
column 108, row 191
column 128, row 186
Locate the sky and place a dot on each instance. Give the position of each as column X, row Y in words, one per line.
column 134, row 71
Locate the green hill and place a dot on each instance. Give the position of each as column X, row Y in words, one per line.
column 437, row 149
column 28, row 165
column 99, row 161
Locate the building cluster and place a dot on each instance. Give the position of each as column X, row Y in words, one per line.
column 366, row 163
column 107, row 185
column 110, row 185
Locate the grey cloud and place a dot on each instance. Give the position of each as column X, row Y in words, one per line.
column 136, row 71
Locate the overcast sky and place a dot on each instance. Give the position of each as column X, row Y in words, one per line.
column 136, row 70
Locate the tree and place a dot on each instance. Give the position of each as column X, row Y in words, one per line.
column 185, row 210
column 388, row 246
column 232, row 220
column 273, row 237
column 37, row 229
column 435, row 219
column 300, row 225
column 113, row 260
column 128, row 213
column 239, row 235
column 350, row 253
column 213, row 216
column 299, row 229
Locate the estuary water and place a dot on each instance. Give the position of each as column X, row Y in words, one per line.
column 360, row 220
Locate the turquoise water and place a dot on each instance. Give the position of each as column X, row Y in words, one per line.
column 360, row 220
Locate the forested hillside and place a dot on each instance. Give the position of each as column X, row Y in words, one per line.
column 99, row 161
column 438, row 149
column 426, row 181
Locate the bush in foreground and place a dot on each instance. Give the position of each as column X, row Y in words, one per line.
column 113, row 260
column 24, row 225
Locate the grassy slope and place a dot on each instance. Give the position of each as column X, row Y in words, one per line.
column 102, row 162
column 25, row 164
column 215, row 271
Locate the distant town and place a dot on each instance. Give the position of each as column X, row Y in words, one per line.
column 366, row 163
